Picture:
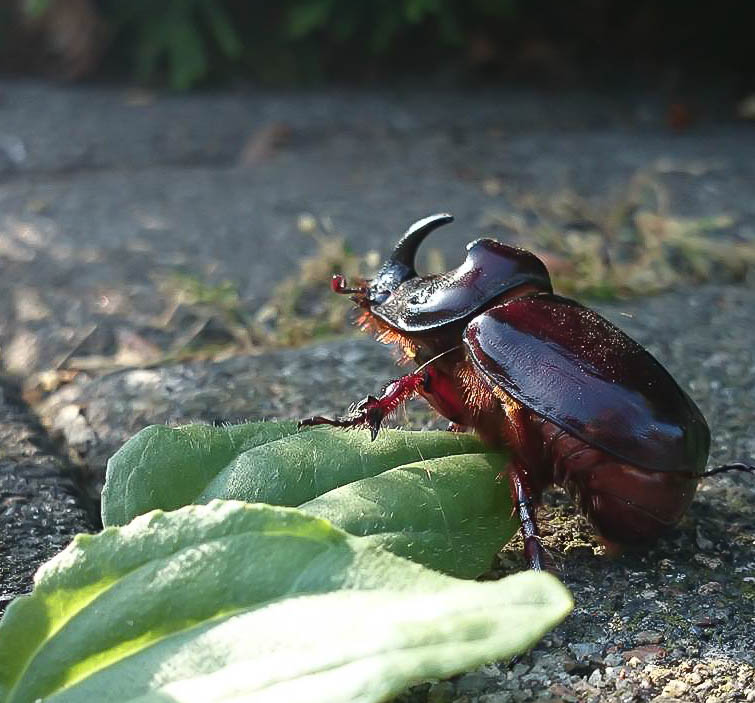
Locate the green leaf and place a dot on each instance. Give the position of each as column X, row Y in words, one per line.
column 168, row 467
column 262, row 462
column 451, row 514
column 232, row 601
column 448, row 511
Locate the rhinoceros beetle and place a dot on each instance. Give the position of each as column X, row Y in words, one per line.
column 578, row 402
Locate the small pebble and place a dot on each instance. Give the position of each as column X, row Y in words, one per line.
column 645, row 653
column 582, row 650
column 500, row 697
column 709, row 588
column 306, row 222
column 648, row 637
column 563, row 693
column 520, row 669
column 441, row 692
column 472, row 683
column 708, row 562
column 614, row 659
column 702, row 541
column 675, row 688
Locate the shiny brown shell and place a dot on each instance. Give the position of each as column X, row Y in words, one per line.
column 573, row 367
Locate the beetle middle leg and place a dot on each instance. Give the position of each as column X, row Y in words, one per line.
column 371, row 411
column 524, row 505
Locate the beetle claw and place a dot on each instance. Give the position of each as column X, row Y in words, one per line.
column 372, row 418
column 366, row 412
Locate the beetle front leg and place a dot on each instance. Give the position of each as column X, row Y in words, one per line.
column 525, row 507
column 371, row 411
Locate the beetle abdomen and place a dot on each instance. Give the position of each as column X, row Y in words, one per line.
column 625, row 503
column 582, row 373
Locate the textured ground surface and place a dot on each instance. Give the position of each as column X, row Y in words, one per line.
column 40, row 505
column 103, row 192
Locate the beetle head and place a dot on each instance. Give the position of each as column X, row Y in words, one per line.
column 409, row 303
column 399, row 266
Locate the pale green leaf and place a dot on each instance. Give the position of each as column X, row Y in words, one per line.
column 232, row 602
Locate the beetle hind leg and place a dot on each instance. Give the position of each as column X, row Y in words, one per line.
column 524, row 504
column 739, row 466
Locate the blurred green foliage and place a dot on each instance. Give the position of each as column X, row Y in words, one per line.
column 184, row 42
column 383, row 22
column 182, row 33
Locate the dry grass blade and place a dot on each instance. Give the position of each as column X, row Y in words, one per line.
column 303, row 307
column 633, row 245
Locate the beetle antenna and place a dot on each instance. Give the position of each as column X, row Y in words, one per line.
column 739, row 466
column 437, row 356
column 338, row 285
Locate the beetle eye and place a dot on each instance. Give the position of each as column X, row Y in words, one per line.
column 379, row 297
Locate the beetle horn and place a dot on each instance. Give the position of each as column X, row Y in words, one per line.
column 406, row 249
column 399, row 266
